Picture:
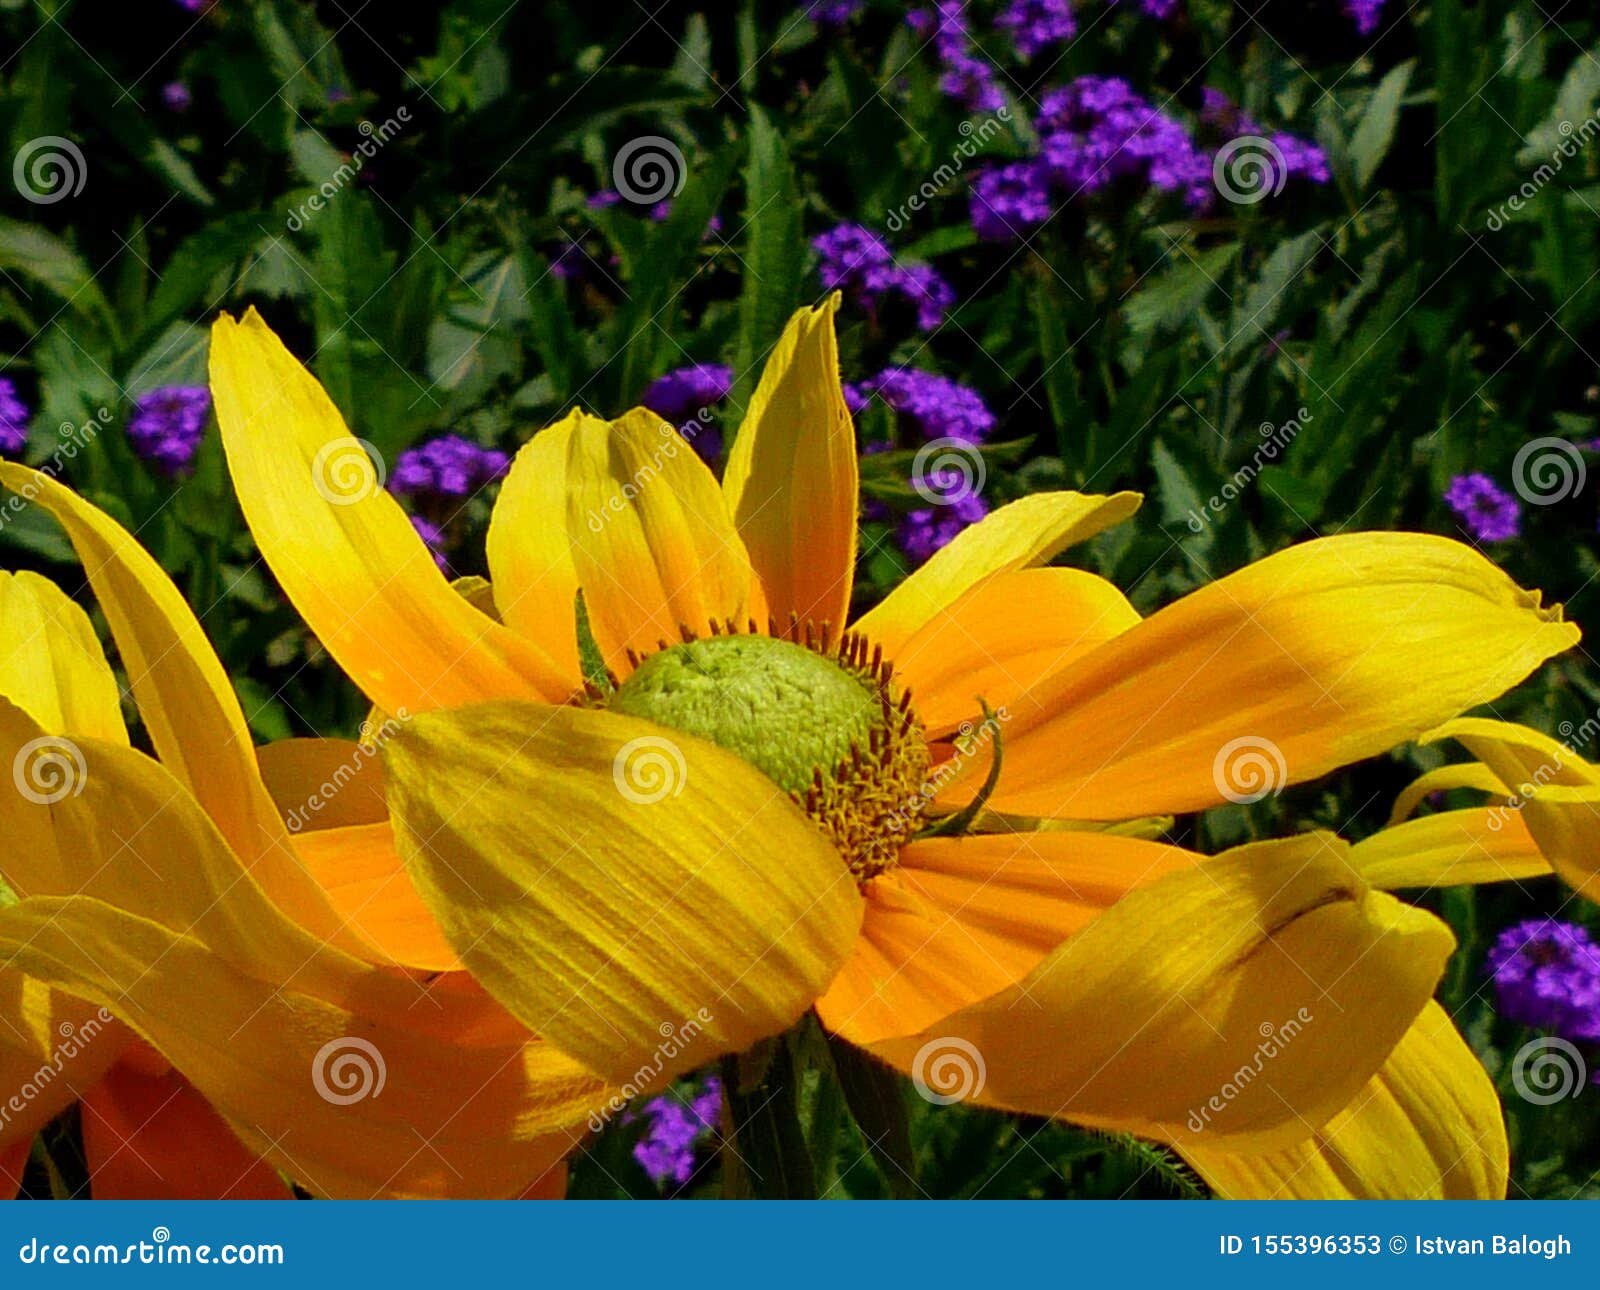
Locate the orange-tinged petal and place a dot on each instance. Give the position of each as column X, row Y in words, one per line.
column 342, row 548
column 324, row 783
column 1427, row 1126
column 550, row 1185
column 1019, row 534
column 13, row 1161
column 1002, row 638
column 53, row 1048
column 1318, row 656
column 154, row 1138
column 51, row 662
column 963, row 918
column 1143, row 1021
column 612, row 882
column 791, row 479
column 1451, row 849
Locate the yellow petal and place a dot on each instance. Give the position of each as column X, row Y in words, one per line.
column 1313, row 658
column 612, row 882
column 1002, row 638
column 53, row 1049
column 273, row 1026
column 1451, row 849
column 963, row 918
column 1023, row 533
column 1427, row 1126
column 1173, row 997
column 325, row 783
column 1445, row 779
column 184, row 696
column 1557, row 793
column 342, row 548
column 51, row 662
column 791, row 477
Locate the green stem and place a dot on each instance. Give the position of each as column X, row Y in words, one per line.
column 765, row 1156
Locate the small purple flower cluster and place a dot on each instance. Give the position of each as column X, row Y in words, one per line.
column 1160, row 10
column 666, row 1151
column 831, row 13
column 1035, row 25
column 938, row 407
column 13, row 420
column 922, row 532
column 684, row 395
column 968, row 77
column 177, row 97
column 858, row 261
column 167, row 425
column 1547, row 975
column 448, row 466
column 1487, row 511
column 1366, row 14
column 434, row 539
column 1298, row 158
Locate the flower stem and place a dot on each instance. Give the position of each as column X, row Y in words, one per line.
column 765, row 1156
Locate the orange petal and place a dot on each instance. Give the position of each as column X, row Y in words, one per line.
column 13, row 1161
column 550, row 1185
column 324, row 783
column 154, row 1138
column 963, row 918
column 791, row 479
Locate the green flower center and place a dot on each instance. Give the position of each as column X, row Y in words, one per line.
column 824, row 725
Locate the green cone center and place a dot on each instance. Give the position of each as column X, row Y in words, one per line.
column 783, row 708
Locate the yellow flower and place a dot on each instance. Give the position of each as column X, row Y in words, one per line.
column 613, row 866
column 290, row 981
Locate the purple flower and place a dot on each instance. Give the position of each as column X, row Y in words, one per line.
column 1009, row 202
column 1366, row 14
column 448, row 466
column 847, row 252
column 1547, row 975
column 1489, row 513
column 1160, row 10
column 13, row 420
column 176, row 95
column 684, row 396
column 923, row 532
column 936, row 405
column 832, row 13
column 1035, row 25
column 666, row 1151
column 968, row 76
column 859, row 261
column 433, row 538
column 167, row 424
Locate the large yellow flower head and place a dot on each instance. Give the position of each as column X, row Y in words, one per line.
column 657, row 782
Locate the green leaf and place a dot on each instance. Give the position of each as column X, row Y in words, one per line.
column 1373, row 137
column 876, row 1097
column 774, row 252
